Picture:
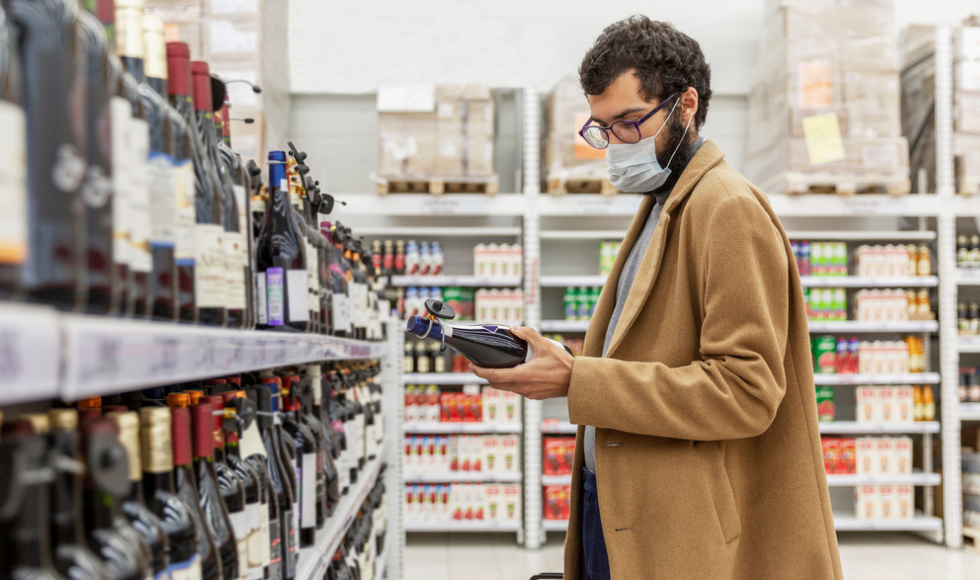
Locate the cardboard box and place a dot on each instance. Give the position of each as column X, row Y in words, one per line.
column 887, row 404
column 887, row 502
column 904, row 502
column 885, row 456
column 509, row 455
column 491, row 454
column 513, row 509
column 867, row 505
column 905, row 404
column 866, row 455
column 902, row 456
column 867, row 405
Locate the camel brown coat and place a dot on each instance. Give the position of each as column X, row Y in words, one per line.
column 708, row 455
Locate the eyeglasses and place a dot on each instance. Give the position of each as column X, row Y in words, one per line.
column 625, row 131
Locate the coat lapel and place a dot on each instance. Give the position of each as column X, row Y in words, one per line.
column 707, row 157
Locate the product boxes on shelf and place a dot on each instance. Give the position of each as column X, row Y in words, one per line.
column 884, row 502
column 571, row 164
column 463, row 502
column 556, row 502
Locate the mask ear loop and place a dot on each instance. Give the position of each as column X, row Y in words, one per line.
column 681, row 143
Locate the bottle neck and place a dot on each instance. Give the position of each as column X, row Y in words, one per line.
column 28, row 533
column 158, row 85
column 153, row 482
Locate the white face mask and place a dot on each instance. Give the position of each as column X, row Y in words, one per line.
column 634, row 168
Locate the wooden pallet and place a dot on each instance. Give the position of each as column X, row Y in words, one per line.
column 972, row 536
column 968, row 185
column 485, row 184
column 589, row 184
column 794, row 183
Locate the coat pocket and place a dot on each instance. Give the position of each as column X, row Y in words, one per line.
column 713, row 467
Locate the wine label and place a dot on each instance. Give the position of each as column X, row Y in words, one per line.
column 139, row 196
column 261, row 308
column 13, row 185
column 209, row 267
column 275, row 296
column 121, row 113
column 265, row 534
column 276, row 548
column 243, row 225
column 253, row 520
column 251, row 442
column 298, row 300
column 308, row 504
column 337, row 306
column 234, row 271
column 189, row 570
column 343, row 471
column 163, row 200
column 361, row 448
column 240, row 528
column 290, row 528
column 185, row 214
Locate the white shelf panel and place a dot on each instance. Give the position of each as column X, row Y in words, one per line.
column 927, row 479
column 969, row 411
column 30, row 353
column 469, row 281
column 423, row 204
column 564, row 325
column 855, row 326
column 466, row 477
column 869, row 282
column 969, row 344
column 862, row 235
column 559, row 429
column 563, row 281
column 968, row 276
column 556, row 525
column 314, row 560
column 589, row 205
column 463, row 526
column 441, row 379
column 556, row 479
column 610, row 235
column 856, row 428
column 429, row 232
column 816, row 205
column 847, row 522
column 444, row 428
column 856, row 379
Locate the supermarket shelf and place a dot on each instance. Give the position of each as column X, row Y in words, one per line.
column 856, row 428
column 429, row 232
column 440, row 428
column 969, row 411
column 968, row 276
column 556, row 480
column 869, row 282
column 589, row 205
column 563, row 281
column 30, row 351
column 441, row 379
column 843, row 522
column 856, row 379
column 313, row 561
column 855, row 326
column 382, row 565
column 469, row 281
column 559, row 429
column 862, row 235
column 969, row 344
column 614, row 235
column 423, row 204
column 927, row 479
column 564, row 325
column 926, row 205
column 466, row 477
column 463, row 526
column 847, row 522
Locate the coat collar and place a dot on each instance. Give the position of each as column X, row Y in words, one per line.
column 708, row 156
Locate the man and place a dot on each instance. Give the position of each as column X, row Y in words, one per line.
column 698, row 453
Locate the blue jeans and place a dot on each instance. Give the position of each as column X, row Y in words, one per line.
column 595, row 560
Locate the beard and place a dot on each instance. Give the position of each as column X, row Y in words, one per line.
column 684, row 145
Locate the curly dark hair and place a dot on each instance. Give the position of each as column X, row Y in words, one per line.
column 666, row 61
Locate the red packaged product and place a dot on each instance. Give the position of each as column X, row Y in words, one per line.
column 848, row 456
column 554, row 455
column 831, row 454
column 569, row 455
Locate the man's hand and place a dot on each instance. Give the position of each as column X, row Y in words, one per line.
column 546, row 376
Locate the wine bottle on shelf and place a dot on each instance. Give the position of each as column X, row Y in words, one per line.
column 281, row 256
column 279, row 472
column 290, row 461
column 339, row 288
column 161, row 498
column 334, row 420
column 149, row 526
column 314, row 415
column 54, row 269
column 208, row 294
column 212, row 503
column 231, row 486
column 488, row 345
column 186, row 485
column 25, row 536
column 96, row 188
column 13, row 149
column 252, row 449
column 308, row 453
column 110, row 536
column 72, row 557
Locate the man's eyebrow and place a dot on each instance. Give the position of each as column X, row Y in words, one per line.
column 619, row 116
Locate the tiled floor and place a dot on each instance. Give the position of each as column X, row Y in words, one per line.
column 497, row 557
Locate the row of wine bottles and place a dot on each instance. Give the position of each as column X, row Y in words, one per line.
column 198, row 481
column 121, row 195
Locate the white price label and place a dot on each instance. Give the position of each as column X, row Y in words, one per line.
column 205, row 359
column 164, row 359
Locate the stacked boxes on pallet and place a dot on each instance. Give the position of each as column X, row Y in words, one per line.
column 436, row 133
column 240, row 40
column 572, row 165
column 824, row 102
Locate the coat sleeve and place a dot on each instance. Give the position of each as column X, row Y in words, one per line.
column 734, row 390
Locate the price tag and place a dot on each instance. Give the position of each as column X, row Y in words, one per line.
column 258, row 352
column 205, row 358
column 440, row 206
column 164, row 359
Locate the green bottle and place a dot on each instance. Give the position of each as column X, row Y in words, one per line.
column 571, row 308
column 582, row 301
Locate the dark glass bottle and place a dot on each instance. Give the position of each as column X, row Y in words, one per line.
column 311, row 409
column 208, row 296
column 283, row 476
column 14, row 227
column 340, row 292
column 259, row 461
column 72, row 557
column 54, row 270
column 110, row 536
column 161, row 497
column 213, row 504
column 187, row 485
column 158, row 182
column 134, row 507
column 336, row 414
column 96, row 187
column 231, row 486
column 281, row 255
column 25, row 538
column 308, row 454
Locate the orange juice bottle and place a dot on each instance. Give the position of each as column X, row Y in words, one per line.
column 918, row 408
column 928, row 404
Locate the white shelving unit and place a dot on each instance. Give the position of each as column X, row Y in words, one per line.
column 469, row 281
column 466, row 477
column 843, row 522
column 858, row 327
column 969, row 411
column 868, row 282
column 862, row 428
column 465, row 526
column 470, row 428
column 564, row 325
column 968, row 277
column 863, row 235
column 856, row 379
column 969, row 344
column 559, row 429
column 563, row 281
column 441, row 379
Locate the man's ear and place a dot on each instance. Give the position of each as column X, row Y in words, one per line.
column 689, row 104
